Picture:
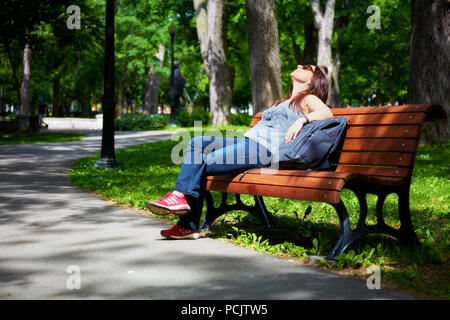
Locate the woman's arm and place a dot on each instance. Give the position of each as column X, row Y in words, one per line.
column 317, row 111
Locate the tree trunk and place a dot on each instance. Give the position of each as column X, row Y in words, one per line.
column 310, row 50
column 295, row 46
column 56, row 94
column 202, row 31
column 429, row 62
column 151, row 92
column 324, row 23
column 335, row 99
column 152, row 89
column 14, row 72
column 378, row 100
column 2, row 104
column 335, row 90
column 120, row 92
column 86, row 107
column 26, row 77
column 393, row 74
column 265, row 64
column 221, row 79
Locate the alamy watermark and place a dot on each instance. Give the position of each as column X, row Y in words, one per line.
column 74, row 280
column 74, row 19
column 374, row 21
column 374, row 281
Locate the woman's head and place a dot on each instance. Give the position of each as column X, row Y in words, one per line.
column 316, row 80
column 303, row 74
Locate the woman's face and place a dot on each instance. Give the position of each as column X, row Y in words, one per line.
column 303, row 73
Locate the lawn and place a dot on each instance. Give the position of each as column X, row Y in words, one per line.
column 40, row 137
column 149, row 172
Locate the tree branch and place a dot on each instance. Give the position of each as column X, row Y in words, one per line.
column 318, row 15
column 329, row 9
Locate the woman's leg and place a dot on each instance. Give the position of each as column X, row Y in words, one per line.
column 235, row 157
column 189, row 181
column 189, row 186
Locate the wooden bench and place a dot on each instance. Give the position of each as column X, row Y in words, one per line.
column 377, row 157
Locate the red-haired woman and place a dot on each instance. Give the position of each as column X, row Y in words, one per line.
column 215, row 156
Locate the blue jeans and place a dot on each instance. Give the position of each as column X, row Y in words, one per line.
column 207, row 156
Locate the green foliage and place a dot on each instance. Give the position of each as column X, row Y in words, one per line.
column 374, row 62
column 253, row 241
column 186, row 119
column 241, row 119
column 367, row 258
column 140, row 122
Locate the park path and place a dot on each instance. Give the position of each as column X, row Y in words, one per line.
column 51, row 232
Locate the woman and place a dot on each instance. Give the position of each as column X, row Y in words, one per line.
column 279, row 124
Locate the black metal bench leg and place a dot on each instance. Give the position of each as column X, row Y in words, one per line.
column 407, row 234
column 259, row 210
column 346, row 234
column 212, row 213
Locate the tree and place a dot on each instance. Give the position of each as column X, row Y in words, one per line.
column 107, row 154
column 324, row 23
column 264, row 53
column 430, row 60
column 201, row 21
column 221, row 72
column 153, row 81
column 210, row 17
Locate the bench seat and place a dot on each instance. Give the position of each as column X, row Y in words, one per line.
column 322, row 186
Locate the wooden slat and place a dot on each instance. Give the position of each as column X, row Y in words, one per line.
column 383, row 132
column 376, row 171
column 432, row 111
column 387, row 119
column 303, row 173
column 285, row 180
column 381, row 145
column 377, row 159
column 384, row 109
column 328, row 196
column 256, row 118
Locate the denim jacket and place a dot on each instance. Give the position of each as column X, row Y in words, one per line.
column 271, row 130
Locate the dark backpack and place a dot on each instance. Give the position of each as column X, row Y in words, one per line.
column 314, row 148
column 316, row 145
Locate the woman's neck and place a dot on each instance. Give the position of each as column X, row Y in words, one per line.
column 298, row 87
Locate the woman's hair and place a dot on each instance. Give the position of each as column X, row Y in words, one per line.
column 318, row 87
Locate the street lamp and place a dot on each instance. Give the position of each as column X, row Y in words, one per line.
column 107, row 155
column 172, row 30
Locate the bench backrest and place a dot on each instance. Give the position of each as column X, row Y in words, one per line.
column 382, row 141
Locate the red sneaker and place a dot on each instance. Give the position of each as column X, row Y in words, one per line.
column 170, row 204
column 177, row 232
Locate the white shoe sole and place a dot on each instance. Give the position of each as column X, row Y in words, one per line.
column 191, row 236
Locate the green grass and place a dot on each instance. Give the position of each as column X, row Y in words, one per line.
column 7, row 138
column 149, row 173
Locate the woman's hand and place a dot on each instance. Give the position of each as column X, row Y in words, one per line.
column 294, row 129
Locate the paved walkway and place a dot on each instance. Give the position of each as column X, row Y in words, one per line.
column 50, row 230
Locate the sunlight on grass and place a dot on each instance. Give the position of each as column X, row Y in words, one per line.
column 7, row 138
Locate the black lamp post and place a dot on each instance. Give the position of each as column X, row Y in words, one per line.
column 171, row 80
column 107, row 155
